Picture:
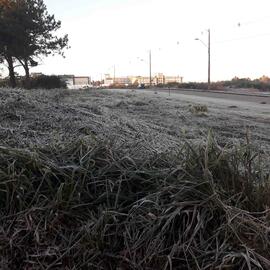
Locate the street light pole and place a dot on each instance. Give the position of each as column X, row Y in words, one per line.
column 209, row 59
column 208, row 46
column 114, row 74
column 150, row 68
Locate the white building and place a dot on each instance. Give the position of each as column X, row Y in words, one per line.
column 173, row 79
column 74, row 82
column 143, row 80
column 68, row 79
column 81, row 82
column 108, row 81
column 158, row 79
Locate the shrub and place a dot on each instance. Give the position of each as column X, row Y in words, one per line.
column 45, row 82
column 198, row 109
column 4, row 82
column 234, row 83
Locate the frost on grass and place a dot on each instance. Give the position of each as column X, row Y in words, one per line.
column 109, row 180
column 89, row 205
column 29, row 118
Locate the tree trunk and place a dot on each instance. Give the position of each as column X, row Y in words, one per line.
column 26, row 67
column 12, row 78
column 27, row 73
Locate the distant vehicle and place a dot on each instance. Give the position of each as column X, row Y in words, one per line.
column 141, row 86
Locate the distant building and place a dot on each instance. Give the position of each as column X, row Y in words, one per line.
column 36, row 74
column 173, row 79
column 108, row 81
column 68, row 79
column 122, row 81
column 143, row 80
column 74, row 82
column 81, row 81
column 159, row 79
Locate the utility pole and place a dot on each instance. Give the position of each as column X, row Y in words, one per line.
column 208, row 46
column 114, row 74
column 150, row 68
column 209, row 59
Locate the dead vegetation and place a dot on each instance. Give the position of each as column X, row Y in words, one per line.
column 199, row 110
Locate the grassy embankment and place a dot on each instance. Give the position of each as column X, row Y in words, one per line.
column 86, row 205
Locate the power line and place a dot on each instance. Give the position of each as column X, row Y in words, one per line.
column 240, row 23
column 255, row 21
column 243, row 38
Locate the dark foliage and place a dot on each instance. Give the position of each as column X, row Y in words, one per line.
column 262, row 84
column 45, row 82
column 27, row 32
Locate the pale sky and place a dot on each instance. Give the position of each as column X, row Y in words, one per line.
column 104, row 33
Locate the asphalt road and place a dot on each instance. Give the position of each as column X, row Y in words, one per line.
column 258, row 99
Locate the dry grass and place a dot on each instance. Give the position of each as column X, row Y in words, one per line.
column 200, row 110
column 89, row 205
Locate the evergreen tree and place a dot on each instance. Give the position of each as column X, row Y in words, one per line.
column 28, row 33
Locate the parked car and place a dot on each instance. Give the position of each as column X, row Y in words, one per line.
column 141, row 86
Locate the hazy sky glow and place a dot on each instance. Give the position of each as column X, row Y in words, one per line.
column 104, row 33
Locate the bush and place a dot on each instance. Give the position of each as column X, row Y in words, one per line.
column 193, row 85
column 199, row 109
column 4, row 83
column 234, row 83
column 45, row 82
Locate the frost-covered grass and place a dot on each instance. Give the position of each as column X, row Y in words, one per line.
column 108, row 180
column 36, row 117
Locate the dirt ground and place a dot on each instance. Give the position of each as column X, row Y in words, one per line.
column 36, row 118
